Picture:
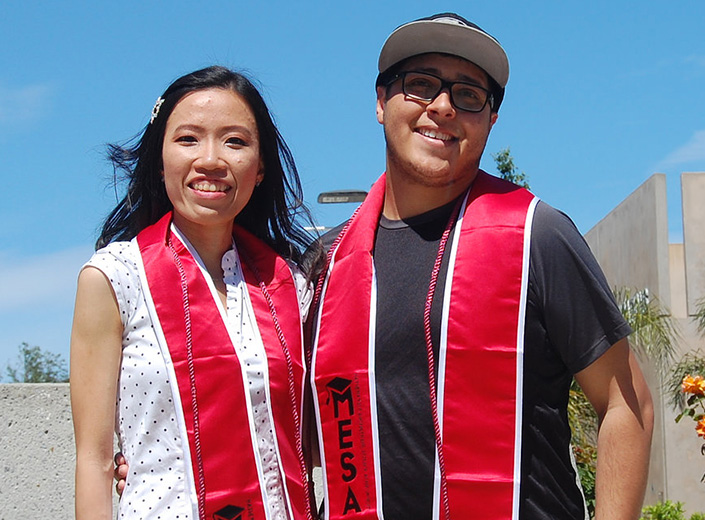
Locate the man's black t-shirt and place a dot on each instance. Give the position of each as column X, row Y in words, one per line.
column 571, row 319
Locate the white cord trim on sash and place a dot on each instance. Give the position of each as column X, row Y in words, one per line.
column 173, row 381
column 521, row 329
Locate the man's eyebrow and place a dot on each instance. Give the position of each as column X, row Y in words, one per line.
column 461, row 77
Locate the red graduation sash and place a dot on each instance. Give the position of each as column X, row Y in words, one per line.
column 219, row 426
column 479, row 363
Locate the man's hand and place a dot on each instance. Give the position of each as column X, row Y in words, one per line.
column 120, row 472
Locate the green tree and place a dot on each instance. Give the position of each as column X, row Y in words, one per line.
column 655, row 334
column 35, row 365
column 507, row 169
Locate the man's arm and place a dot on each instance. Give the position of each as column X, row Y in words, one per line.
column 615, row 386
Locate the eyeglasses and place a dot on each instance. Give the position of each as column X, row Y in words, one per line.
column 426, row 87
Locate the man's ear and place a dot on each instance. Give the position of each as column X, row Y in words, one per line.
column 381, row 102
column 493, row 119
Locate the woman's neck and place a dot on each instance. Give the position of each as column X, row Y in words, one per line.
column 210, row 242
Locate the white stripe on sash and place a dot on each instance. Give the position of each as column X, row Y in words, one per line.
column 521, row 329
column 372, row 338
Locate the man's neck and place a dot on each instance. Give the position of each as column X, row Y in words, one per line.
column 404, row 200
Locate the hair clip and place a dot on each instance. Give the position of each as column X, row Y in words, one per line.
column 155, row 110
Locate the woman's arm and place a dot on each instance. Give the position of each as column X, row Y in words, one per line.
column 96, row 346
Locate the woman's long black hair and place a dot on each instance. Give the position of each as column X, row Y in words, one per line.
column 272, row 213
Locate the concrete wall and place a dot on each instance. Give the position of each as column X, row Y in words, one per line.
column 37, row 455
column 631, row 244
column 693, row 193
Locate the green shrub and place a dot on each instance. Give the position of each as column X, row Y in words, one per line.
column 668, row 511
column 663, row 511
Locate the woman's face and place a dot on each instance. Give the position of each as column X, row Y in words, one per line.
column 211, row 158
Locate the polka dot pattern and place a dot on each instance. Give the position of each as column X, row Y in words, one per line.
column 146, row 424
column 158, row 485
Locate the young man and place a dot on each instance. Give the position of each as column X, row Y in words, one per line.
column 453, row 314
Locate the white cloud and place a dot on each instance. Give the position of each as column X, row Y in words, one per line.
column 40, row 281
column 690, row 152
column 22, row 105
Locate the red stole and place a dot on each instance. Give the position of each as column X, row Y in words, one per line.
column 220, row 430
column 479, row 362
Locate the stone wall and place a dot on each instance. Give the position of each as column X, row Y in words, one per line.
column 37, row 456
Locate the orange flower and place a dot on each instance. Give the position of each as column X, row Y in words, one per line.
column 693, row 385
column 700, row 427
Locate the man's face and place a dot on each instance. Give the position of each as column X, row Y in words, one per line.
column 434, row 144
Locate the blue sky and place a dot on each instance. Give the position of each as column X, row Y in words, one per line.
column 601, row 96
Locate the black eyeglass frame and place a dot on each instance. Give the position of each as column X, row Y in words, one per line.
column 444, row 85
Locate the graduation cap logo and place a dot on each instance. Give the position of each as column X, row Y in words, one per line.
column 228, row 513
column 339, row 389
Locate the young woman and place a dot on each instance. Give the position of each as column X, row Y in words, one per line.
column 187, row 336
